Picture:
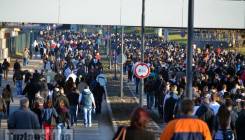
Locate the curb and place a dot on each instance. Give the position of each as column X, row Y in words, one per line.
column 114, row 125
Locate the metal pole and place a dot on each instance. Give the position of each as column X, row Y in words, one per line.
column 122, row 94
column 109, row 45
column 142, row 48
column 115, row 58
column 189, row 48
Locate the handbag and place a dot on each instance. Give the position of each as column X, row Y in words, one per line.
column 53, row 121
column 122, row 134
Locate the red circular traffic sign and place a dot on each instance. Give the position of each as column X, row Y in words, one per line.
column 141, row 70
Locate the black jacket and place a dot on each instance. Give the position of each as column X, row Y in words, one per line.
column 240, row 125
column 73, row 98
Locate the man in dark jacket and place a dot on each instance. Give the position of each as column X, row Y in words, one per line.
column 240, row 123
column 169, row 108
column 16, row 65
column 23, row 119
column 18, row 80
column 73, row 100
column 5, row 67
column 98, row 96
column 30, row 91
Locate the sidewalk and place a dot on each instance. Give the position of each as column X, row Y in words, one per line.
column 33, row 65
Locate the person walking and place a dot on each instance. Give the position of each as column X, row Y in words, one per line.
column 26, row 56
column 150, row 92
column 169, row 106
column 23, row 120
column 63, row 119
column 49, row 115
column 182, row 127
column 86, row 100
column 240, row 122
column 2, row 109
column 5, row 67
column 99, row 93
column 18, row 81
column 224, row 131
column 136, row 130
column 7, row 97
column 73, row 100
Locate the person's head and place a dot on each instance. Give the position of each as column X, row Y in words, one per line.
column 24, row 103
column 61, row 91
column 186, row 107
column 62, row 104
column 206, row 98
column 49, row 103
column 242, row 103
column 229, row 104
column 139, row 118
column 223, row 116
column 173, row 88
column 8, row 87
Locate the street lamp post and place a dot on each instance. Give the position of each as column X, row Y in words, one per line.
column 115, row 58
column 190, row 49
column 122, row 63
column 142, row 48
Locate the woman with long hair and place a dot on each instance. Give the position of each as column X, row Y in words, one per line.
column 136, row 130
column 7, row 97
column 224, row 132
column 49, row 116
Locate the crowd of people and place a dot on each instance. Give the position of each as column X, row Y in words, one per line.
column 218, row 83
column 72, row 81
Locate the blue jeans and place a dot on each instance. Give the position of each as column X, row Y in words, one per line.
column 73, row 110
column 19, row 87
column 87, row 114
column 25, row 61
column 150, row 100
column 60, row 127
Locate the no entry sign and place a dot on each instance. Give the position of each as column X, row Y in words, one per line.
column 141, row 70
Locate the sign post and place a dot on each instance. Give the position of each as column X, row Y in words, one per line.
column 142, row 48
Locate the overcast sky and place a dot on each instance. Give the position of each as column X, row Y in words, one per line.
column 161, row 13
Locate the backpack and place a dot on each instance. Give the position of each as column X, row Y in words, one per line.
column 228, row 134
column 169, row 108
column 93, row 85
column 86, row 100
column 4, row 66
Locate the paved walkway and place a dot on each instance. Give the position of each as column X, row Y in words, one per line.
column 152, row 126
column 101, row 128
